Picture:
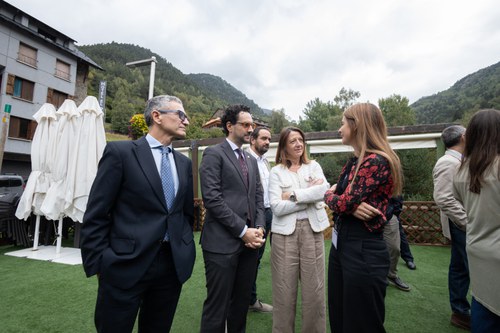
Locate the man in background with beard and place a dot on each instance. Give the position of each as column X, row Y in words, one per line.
column 259, row 145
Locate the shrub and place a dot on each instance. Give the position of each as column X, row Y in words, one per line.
column 137, row 127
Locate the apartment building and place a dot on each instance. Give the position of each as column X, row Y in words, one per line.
column 38, row 64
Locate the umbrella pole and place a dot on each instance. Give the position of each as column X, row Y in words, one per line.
column 37, row 233
column 59, row 235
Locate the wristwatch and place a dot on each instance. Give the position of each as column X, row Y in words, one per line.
column 292, row 197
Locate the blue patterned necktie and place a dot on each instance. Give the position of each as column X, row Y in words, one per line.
column 167, row 180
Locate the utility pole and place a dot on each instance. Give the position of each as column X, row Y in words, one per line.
column 146, row 62
column 5, row 130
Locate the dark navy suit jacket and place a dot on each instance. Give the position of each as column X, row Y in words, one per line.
column 127, row 217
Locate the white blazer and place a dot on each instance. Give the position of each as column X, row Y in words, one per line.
column 308, row 197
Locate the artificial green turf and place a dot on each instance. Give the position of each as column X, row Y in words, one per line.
column 38, row 296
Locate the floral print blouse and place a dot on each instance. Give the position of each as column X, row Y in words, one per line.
column 373, row 185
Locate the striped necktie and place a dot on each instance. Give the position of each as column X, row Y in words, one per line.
column 243, row 166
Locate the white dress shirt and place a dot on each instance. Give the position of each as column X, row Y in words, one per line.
column 263, row 165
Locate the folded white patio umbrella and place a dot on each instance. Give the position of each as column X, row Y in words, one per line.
column 82, row 169
column 41, row 166
column 41, row 163
column 67, row 133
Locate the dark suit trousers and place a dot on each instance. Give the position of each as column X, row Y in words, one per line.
column 229, row 283
column 155, row 296
column 458, row 273
column 357, row 280
column 269, row 218
column 405, row 247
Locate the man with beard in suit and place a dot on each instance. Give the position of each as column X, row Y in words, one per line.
column 234, row 224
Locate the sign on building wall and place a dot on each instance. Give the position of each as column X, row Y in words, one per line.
column 102, row 95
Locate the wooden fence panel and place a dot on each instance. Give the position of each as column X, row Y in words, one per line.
column 422, row 223
column 420, row 220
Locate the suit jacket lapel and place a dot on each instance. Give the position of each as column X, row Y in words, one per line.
column 251, row 171
column 148, row 166
column 232, row 157
column 181, row 167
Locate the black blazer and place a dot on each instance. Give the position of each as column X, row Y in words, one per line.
column 227, row 200
column 126, row 216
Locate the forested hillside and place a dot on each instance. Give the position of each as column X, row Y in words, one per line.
column 219, row 88
column 202, row 94
column 475, row 91
column 127, row 88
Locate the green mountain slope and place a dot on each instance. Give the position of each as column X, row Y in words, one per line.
column 218, row 87
column 134, row 82
column 127, row 88
column 475, row 91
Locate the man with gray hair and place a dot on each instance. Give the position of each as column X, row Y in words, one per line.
column 137, row 234
column 453, row 221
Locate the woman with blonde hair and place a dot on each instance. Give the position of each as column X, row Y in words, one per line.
column 296, row 189
column 477, row 186
column 359, row 261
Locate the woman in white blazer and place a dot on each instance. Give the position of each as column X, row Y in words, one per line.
column 296, row 190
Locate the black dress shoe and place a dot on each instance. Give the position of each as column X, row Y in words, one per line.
column 460, row 320
column 398, row 283
column 411, row 265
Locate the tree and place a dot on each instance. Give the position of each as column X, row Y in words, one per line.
column 278, row 121
column 417, row 167
column 123, row 106
column 195, row 131
column 326, row 116
column 397, row 111
column 316, row 114
column 346, row 98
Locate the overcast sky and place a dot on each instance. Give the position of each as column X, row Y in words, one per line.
column 284, row 53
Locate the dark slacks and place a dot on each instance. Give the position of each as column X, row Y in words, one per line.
column 482, row 319
column 357, row 280
column 458, row 274
column 229, row 283
column 404, row 246
column 269, row 219
column 155, row 296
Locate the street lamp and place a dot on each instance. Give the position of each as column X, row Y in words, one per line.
column 146, row 62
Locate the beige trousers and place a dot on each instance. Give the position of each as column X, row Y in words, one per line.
column 298, row 257
column 393, row 242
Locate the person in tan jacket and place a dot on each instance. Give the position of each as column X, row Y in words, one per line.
column 453, row 221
